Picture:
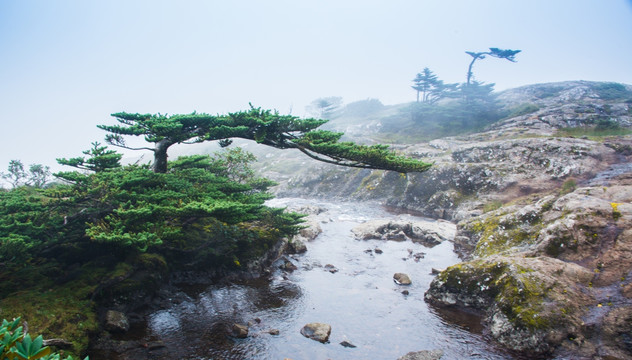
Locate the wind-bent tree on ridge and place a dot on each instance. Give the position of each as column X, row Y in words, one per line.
column 263, row 126
column 495, row 52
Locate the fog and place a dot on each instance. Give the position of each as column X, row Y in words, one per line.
column 67, row 65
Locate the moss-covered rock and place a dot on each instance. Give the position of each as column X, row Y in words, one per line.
column 526, row 301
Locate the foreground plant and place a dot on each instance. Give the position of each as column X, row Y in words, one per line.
column 14, row 344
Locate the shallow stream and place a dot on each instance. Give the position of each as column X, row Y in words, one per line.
column 361, row 302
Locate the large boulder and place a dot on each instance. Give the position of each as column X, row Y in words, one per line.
column 424, row 232
column 530, row 304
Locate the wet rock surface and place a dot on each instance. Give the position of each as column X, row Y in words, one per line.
column 239, row 331
column 402, row 279
column 317, row 331
column 116, row 322
column 423, row 355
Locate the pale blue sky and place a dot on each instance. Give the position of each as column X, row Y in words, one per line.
column 66, row 65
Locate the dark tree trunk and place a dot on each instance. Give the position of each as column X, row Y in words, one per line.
column 160, row 156
column 469, row 71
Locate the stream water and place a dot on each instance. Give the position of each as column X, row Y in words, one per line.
column 360, row 301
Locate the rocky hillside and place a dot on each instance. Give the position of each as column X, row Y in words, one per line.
column 543, row 203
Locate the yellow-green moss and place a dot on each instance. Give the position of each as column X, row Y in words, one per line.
column 55, row 313
column 371, row 181
column 151, row 262
column 498, row 233
column 517, row 292
column 491, row 206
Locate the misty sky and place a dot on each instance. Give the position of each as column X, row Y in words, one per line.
column 66, row 65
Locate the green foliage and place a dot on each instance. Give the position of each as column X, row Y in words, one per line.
column 99, row 159
column 612, row 91
column 15, row 345
column 607, row 129
column 15, row 175
column 353, row 155
column 606, row 124
column 25, row 223
column 36, row 176
column 63, row 247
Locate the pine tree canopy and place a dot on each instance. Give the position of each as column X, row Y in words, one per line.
column 264, row 127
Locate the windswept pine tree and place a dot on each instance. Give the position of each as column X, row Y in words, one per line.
column 264, row 127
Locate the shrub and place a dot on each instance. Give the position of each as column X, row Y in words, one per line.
column 523, row 109
column 568, row 186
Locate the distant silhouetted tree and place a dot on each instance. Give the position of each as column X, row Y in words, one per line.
column 494, row 52
column 325, row 107
column 431, row 89
column 15, row 175
column 38, row 175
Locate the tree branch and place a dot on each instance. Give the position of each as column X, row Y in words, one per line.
column 131, row 148
column 335, row 162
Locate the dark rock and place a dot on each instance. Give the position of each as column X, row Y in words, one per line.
column 296, row 246
column 347, row 344
column 317, row 331
column 405, row 292
column 288, row 266
column 116, row 321
column 378, row 251
column 156, row 345
column 274, row 332
column 402, row 279
column 332, row 269
column 419, row 256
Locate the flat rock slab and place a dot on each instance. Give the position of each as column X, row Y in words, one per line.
column 423, row 355
column 317, row 331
